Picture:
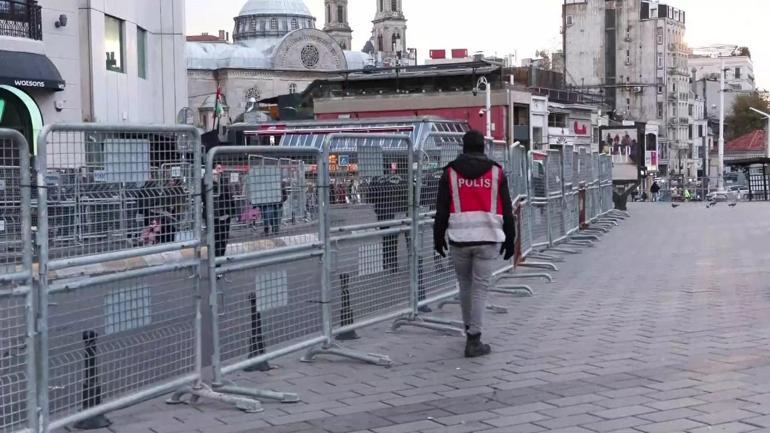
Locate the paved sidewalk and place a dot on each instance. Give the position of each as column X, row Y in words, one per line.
column 663, row 327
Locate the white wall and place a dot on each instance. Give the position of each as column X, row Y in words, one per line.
column 118, row 97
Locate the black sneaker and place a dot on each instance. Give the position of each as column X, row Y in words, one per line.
column 425, row 309
column 474, row 348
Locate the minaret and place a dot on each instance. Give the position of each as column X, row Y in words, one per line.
column 337, row 23
column 389, row 33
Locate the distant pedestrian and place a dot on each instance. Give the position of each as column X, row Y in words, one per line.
column 655, row 190
column 224, row 211
column 474, row 210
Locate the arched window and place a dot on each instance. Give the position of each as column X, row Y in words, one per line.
column 382, row 5
column 340, row 14
column 294, row 24
column 328, row 13
column 343, row 45
column 292, row 88
column 273, row 24
column 394, row 5
column 380, row 44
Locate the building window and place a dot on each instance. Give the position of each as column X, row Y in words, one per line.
column 328, row 13
column 556, row 120
column 113, row 43
column 273, row 24
column 570, row 20
column 382, row 5
column 380, row 44
column 294, row 24
column 340, row 14
column 689, row 111
column 141, row 51
column 394, row 5
column 700, row 130
column 689, row 132
column 737, row 73
column 660, row 60
column 292, row 88
column 660, row 110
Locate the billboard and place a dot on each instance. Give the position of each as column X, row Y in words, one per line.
column 622, row 144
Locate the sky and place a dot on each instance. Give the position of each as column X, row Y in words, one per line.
column 516, row 26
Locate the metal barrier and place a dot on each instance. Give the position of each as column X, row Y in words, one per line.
column 19, row 338
column 123, row 323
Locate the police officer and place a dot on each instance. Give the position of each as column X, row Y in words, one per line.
column 474, row 211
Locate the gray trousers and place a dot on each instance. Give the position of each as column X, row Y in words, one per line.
column 474, row 267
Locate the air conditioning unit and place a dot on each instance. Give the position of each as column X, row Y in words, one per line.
column 628, row 61
column 627, row 38
column 638, row 89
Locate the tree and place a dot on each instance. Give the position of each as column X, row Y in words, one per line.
column 743, row 120
column 744, row 51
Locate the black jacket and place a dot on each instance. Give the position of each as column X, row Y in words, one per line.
column 471, row 166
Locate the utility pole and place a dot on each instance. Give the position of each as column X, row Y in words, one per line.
column 483, row 82
column 721, row 178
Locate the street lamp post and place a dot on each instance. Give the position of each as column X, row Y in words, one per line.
column 721, row 178
column 483, row 82
column 767, row 116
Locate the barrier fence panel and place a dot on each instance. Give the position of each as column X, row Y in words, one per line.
column 519, row 185
column 555, row 182
column 570, row 191
column 605, row 178
column 18, row 332
column 540, row 217
column 594, row 188
column 121, row 276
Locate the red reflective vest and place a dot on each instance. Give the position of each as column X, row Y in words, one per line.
column 476, row 209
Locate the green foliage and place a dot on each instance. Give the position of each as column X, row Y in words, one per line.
column 743, row 120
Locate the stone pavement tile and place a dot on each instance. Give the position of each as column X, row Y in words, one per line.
column 573, row 429
column 571, row 410
column 722, row 386
column 409, row 427
column 670, row 414
column 419, row 390
column 363, row 407
column 301, row 427
column 297, row 417
column 676, row 393
column 625, row 401
column 725, row 416
column 302, row 407
column 348, row 423
column 512, row 420
column 470, row 427
column 670, row 426
column 370, row 398
column 428, row 414
column 733, row 427
column 760, row 421
column 675, row 403
column 578, row 399
column 622, row 412
column 721, row 406
column 520, row 428
column 568, row 421
column 678, row 384
column 616, row 424
column 467, row 391
column 524, row 408
column 466, row 418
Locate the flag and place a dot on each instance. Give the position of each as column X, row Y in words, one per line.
column 218, row 108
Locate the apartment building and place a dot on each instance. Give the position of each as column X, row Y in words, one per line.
column 633, row 53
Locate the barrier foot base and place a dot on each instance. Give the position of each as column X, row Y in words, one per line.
column 261, row 367
column 580, row 243
column 93, row 423
column 283, row 397
column 441, row 304
column 547, row 277
column 337, row 350
column 493, row 308
column 544, row 256
column 564, row 250
column 539, row 265
column 245, row 404
column 348, row 336
column 514, row 290
column 433, row 324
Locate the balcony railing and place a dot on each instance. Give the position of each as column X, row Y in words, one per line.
column 21, row 19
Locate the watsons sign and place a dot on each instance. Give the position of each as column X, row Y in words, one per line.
column 28, row 83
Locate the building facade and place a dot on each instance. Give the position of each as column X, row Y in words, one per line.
column 91, row 60
column 276, row 50
column 389, row 32
column 337, row 23
column 633, row 53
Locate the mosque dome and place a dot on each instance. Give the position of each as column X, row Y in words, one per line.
column 271, row 19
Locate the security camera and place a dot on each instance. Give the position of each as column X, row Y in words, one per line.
column 482, row 112
column 475, row 91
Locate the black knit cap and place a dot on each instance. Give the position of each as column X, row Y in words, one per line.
column 473, row 142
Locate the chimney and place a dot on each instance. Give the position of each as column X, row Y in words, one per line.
column 222, row 36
